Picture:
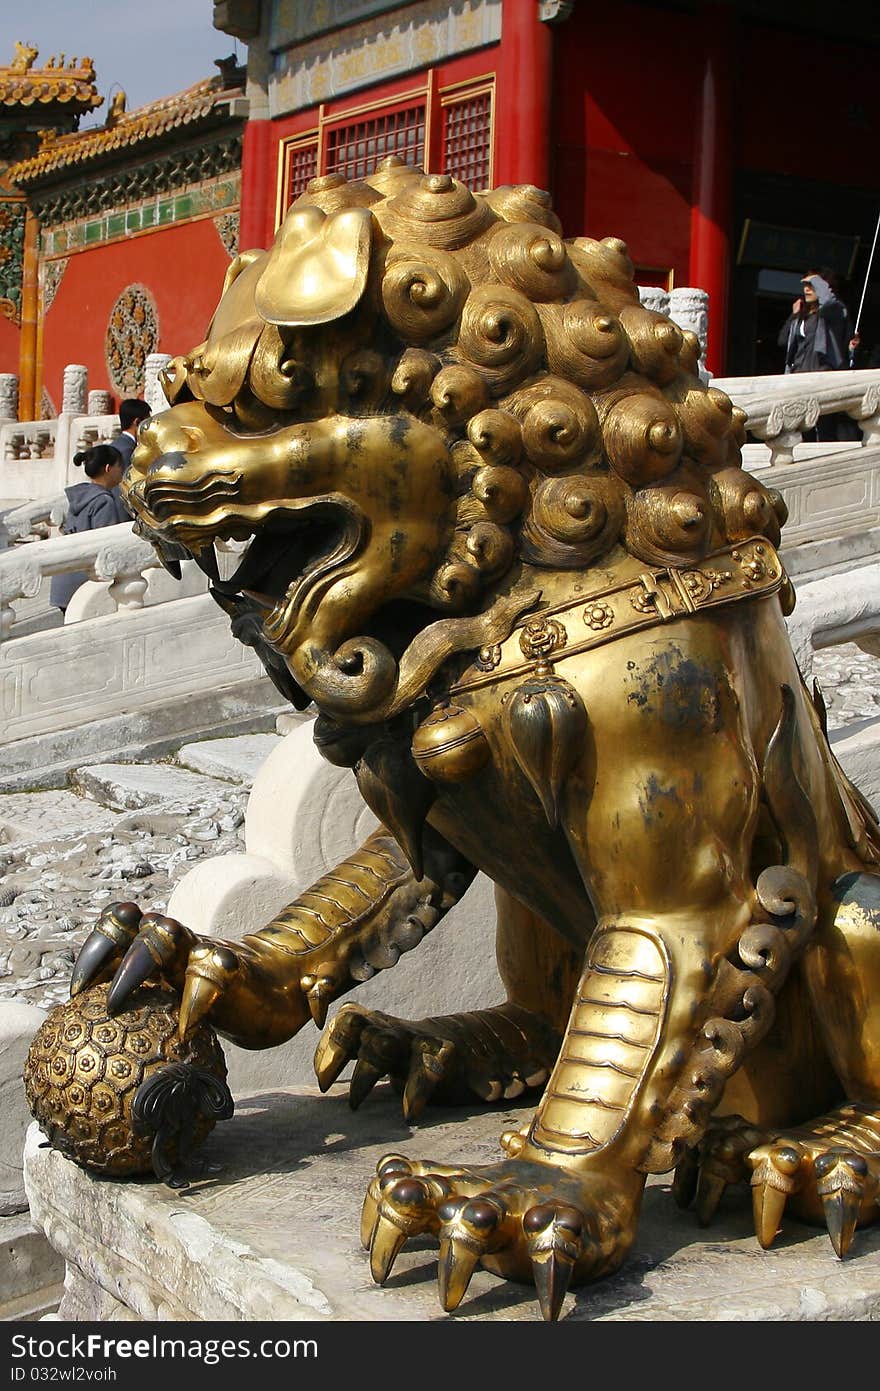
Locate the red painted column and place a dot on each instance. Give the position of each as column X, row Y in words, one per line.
column 523, row 96
column 28, row 363
column 711, row 206
column 257, row 208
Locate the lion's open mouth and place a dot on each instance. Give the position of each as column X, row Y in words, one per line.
column 274, row 556
column 285, row 556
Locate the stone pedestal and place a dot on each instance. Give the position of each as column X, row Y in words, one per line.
column 274, row 1235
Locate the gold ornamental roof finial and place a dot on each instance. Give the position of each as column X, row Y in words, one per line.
column 24, row 57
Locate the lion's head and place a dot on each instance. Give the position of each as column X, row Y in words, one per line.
column 417, row 400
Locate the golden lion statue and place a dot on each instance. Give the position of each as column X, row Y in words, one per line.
column 501, row 536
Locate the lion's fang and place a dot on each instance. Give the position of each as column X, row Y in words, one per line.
column 229, row 555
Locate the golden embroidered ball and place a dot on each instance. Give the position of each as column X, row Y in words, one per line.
column 84, row 1069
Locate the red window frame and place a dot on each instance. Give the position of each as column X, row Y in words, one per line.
column 430, row 125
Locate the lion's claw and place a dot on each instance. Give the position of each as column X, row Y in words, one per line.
column 721, row 1159
column 490, row 1053
column 432, row 1062
column 778, row 1171
column 843, row 1182
column 159, row 945
column 554, row 1240
column 106, row 944
column 498, row 1217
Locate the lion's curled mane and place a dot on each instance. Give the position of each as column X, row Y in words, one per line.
column 575, row 417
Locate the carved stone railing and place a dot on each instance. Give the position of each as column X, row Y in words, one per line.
column 111, row 553
column 35, row 521
column 140, row 661
column 30, row 439
column 779, row 409
column 36, row 456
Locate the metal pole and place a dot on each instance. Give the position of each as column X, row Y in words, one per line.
column 867, row 273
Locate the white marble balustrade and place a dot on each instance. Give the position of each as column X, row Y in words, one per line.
column 779, row 409
column 112, row 553
column 36, row 456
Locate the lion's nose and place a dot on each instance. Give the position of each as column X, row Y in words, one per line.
column 169, row 463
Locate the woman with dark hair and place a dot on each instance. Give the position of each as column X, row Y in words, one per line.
column 93, row 504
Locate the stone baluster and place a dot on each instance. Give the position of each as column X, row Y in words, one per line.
column 652, row 297
column 8, row 396
column 21, row 579
column 128, row 589
column 122, row 559
column 74, row 390
column 867, row 414
column 689, row 308
column 783, row 430
column 99, row 403
column 153, row 393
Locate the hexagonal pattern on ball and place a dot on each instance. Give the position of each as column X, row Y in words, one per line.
column 84, row 1068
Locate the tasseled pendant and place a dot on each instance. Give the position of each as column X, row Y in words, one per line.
column 546, row 722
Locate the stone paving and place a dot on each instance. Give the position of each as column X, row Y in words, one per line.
column 133, row 831
column 850, row 682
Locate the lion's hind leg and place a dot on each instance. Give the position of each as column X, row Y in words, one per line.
column 485, row 1054
column 827, row 1170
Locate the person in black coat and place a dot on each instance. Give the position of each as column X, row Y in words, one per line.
column 93, row 504
column 131, row 412
column 816, row 337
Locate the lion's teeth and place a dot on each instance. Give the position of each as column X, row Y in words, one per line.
column 229, row 555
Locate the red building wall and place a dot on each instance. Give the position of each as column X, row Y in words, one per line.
column 265, row 149
column 183, row 268
column 9, row 345
column 626, row 92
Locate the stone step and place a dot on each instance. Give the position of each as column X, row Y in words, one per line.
column 26, row 817
column 129, row 786
column 31, row 1271
column 238, row 759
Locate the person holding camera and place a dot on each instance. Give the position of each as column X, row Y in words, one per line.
column 816, row 338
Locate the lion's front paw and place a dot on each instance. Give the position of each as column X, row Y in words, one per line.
column 522, row 1220
column 492, row 1054
column 128, row 947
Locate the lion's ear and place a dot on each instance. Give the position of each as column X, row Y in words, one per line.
column 318, row 267
column 238, row 264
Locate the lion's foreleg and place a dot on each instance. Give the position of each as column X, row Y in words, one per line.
column 356, row 920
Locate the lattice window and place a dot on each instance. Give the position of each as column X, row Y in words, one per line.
column 356, row 148
column 302, row 166
column 467, row 139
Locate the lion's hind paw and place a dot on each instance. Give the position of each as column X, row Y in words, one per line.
column 704, row 1173
column 826, row 1172
column 836, row 1185
column 490, row 1054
